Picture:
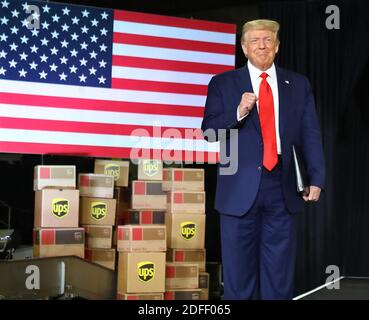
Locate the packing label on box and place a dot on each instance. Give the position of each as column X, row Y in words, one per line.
column 144, row 217
column 183, row 179
column 148, row 238
column 54, row 176
column 186, row 202
column 96, row 185
column 148, row 195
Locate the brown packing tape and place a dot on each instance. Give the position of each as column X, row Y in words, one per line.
column 195, row 197
column 193, row 175
column 61, row 173
column 100, row 181
column 186, row 294
column 69, row 236
column 188, row 255
column 98, row 232
column 186, row 271
column 50, row 236
column 195, row 255
column 153, row 233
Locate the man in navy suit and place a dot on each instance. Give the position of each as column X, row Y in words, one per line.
column 273, row 110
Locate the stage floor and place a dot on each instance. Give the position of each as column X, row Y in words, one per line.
column 350, row 288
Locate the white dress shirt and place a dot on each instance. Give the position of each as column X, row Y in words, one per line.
column 272, row 80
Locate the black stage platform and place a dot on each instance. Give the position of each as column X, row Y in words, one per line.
column 350, row 288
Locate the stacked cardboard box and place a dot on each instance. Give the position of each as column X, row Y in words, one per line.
column 185, row 221
column 120, row 170
column 97, row 217
column 141, row 237
column 56, row 231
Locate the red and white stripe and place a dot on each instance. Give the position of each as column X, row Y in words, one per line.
column 161, row 69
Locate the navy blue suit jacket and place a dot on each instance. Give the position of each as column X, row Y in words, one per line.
column 298, row 125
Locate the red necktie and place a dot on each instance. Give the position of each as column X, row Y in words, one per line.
column 267, row 123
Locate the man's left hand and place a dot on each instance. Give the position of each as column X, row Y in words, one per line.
column 311, row 193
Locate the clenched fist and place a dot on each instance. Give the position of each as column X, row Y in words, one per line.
column 247, row 102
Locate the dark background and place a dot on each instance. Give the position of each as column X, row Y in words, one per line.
column 331, row 232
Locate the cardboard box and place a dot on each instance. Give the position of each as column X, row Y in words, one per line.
column 141, row 272
column 204, row 285
column 150, row 170
column 119, row 170
column 56, row 208
column 197, row 256
column 103, row 257
column 181, row 276
column 185, row 231
column 98, row 237
column 123, row 197
column 97, row 211
column 58, row 242
column 95, row 185
column 145, row 238
column 148, row 195
column 140, row 296
column 186, row 202
column 62, row 177
column 183, row 179
column 182, row 294
column 132, row 216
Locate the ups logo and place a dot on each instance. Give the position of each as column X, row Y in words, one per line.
column 188, row 230
column 60, row 207
column 145, row 271
column 98, row 210
column 112, row 170
column 150, row 167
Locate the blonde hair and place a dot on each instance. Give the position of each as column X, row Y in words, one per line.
column 260, row 24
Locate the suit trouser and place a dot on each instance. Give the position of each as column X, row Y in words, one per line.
column 259, row 248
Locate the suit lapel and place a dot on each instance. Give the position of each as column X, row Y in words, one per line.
column 244, row 85
column 283, row 88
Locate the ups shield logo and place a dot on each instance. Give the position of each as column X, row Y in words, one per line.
column 112, row 170
column 98, row 210
column 188, row 230
column 150, row 167
column 60, row 207
column 146, row 271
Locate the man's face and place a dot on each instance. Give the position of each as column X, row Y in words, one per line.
column 260, row 47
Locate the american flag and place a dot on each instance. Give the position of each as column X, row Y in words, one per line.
column 98, row 82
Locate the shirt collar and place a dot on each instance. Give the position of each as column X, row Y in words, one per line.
column 255, row 72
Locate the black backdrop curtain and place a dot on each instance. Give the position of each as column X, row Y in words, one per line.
column 336, row 230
